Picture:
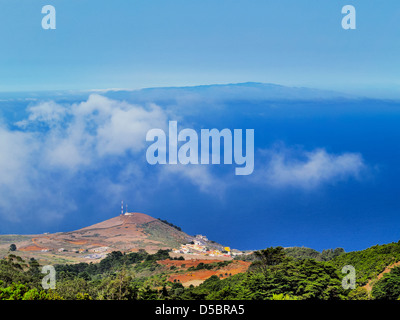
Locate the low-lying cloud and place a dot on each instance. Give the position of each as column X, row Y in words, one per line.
column 284, row 167
column 58, row 147
column 98, row 145
column 79, row 134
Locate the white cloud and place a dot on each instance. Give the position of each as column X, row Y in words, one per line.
column 199, row 175
column 82, row 133
column 26, row 189
column 47, row 112
column 308, row 169
column 16, row 148
column 126, row 129
column 41, row 163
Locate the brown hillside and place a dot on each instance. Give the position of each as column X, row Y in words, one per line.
column 128, row 232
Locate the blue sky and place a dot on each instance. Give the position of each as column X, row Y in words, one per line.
column 326, row 164
column 137, row 44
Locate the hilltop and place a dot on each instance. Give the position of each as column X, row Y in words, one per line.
column 129, row 232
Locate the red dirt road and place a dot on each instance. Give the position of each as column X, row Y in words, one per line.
column 198, row 276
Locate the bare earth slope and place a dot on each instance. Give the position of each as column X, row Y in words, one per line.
column 132, row 218
column 371, row 282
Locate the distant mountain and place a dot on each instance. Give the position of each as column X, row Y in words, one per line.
column 235, row 91
column 229, row 91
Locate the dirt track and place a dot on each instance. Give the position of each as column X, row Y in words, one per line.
column 370, row 283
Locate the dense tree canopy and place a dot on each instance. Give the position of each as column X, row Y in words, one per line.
column 275, row 274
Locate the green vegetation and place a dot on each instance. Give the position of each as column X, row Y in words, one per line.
column 210, row 266
column 388, row 287
column 302, row 253
column 308, row 253
column 275, row 274
column 20, row 280
column 13, row 238
column 162, row 233
column 369, row 262
column 170, row 224
column 114, row 262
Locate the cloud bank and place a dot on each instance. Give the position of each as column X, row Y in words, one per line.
column 59, row 147
column 97, row 146
column 80, row 134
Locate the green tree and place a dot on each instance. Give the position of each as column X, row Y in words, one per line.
column 305, row 279
column 19, row 291
column 11, row 270
column 70, row 288
column 281, row 296
column 13, row 247
column 360, row 293
column 267, row 258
